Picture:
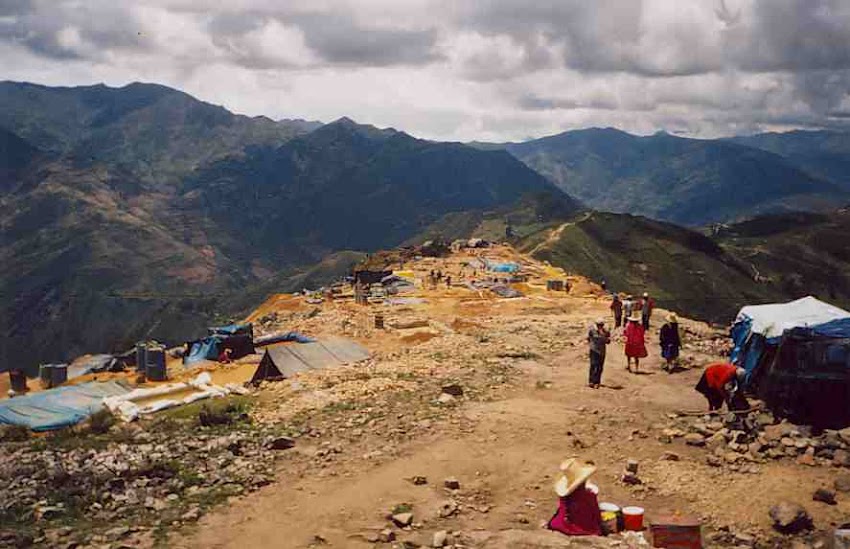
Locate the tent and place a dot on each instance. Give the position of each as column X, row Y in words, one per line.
column 797, row 358
column 59, row 407
column 239, row 338
column 284, row 361
column 758, row 329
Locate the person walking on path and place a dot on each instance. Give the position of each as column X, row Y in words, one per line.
column 647, row 304
column 628, row 306
column 670, row 342
column 635, row 342
column 617, row 309
column 597, row 338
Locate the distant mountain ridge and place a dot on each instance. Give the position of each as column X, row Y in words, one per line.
column 686, row 181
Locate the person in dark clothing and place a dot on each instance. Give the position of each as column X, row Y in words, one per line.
column 670, row 342
column 617, row 309
column 598, row 338
column 723, row 382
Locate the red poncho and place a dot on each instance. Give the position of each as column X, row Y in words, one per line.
column 717, row 375
column 635, row 343
column 578, row 514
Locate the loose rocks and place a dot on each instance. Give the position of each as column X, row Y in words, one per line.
column 824, row 496
column 790, row 518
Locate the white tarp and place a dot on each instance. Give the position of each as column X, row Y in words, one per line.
column 773, row 319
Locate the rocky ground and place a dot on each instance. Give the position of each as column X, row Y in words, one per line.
column 450, row 435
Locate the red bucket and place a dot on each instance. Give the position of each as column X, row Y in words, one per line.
column 633, row 518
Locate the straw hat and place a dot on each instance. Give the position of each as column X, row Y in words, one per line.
column 645, row 294
column 573, row 474
column 600, row 321
column 634, row 318
column 673, row 318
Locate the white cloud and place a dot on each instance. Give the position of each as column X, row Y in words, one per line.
column 490, row 69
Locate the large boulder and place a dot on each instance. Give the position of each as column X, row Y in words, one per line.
column 790, row 518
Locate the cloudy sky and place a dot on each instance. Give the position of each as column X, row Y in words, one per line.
column 460, row 69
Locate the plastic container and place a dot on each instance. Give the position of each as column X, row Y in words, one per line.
column 606, row 507
column 18, row 381
column 633, row 518
column 44, row 374
column 141, row 357
column 155, row 369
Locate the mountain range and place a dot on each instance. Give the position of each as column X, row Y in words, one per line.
column 142, row 212
column 139, row 211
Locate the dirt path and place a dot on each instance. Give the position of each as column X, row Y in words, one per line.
column 504, row 454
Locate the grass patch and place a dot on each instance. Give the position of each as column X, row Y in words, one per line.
column 402, row 508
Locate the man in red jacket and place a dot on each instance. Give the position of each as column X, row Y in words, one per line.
column 723, row 382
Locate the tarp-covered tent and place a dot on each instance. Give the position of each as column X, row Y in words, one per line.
column 59, row 407
column 758, row 329
column 797, row 358
column 283, row 361
column 239, row 338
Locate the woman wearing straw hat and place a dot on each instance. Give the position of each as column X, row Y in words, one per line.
column 670, row 342
column 578, row 508
column 635, row 342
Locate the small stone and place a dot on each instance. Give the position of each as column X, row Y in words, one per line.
column 694, row 439
column 445, row 398
column 440, row 539
column 713, row 460
column 631, row 479
column 824, row 495
column 632, row 466
column 281, row 443
column 842, row 483
column 806, row 459
column 790, row 518
column 841, row 458
column 448, row 509
column 788, row 442
column 670, row 456
column 419, row 480
column 386, row 536
column 454, row 389
column 452, row 483
column 402, row 519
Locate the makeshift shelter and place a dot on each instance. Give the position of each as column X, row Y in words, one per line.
column 797, row 358
column 365, row 276
column 59, row 407
column 239, row 338
column 283, row 361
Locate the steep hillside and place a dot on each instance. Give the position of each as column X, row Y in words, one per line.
column 686, row 181
column 142, row 212
column 346, row 186
column 825, row 154
column 797, row 254
column 685, row 270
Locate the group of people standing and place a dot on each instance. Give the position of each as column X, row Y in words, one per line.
column 636, row 314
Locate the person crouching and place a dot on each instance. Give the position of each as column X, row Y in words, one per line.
column 578, row 507
column 723, row 382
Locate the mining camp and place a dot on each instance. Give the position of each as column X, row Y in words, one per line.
column 439, row 397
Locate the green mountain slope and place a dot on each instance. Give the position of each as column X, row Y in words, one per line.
column 825, row 154
column 686, row 181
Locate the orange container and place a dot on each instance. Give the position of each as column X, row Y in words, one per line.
column 633, row 518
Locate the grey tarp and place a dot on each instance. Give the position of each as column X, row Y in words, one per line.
column 284, row 361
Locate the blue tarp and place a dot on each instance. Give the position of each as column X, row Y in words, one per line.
column 204, row 349
column 503, row 267
column 836, row 328
column 58, row 408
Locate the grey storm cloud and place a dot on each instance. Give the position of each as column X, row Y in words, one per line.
column 708, row 66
